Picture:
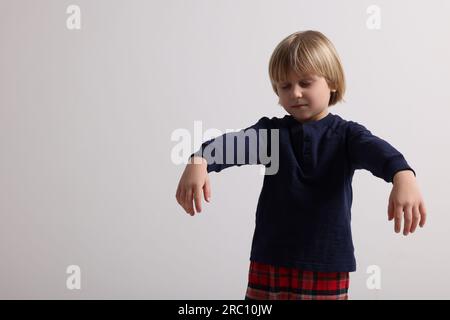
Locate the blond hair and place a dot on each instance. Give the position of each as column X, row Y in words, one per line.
column 308, row 52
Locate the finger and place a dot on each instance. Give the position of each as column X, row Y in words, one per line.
column 198, row 199
column 207, row 190
column 408, row 220
column 398, row 218
column 390, row 210
column 177, row 194
column 189, row 207
column 183, row 200
column 423, row 214
column 415, row 218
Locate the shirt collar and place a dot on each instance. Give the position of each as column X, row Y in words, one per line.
column 324, row 122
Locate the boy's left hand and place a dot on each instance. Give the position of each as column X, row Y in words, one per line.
column 406, row 201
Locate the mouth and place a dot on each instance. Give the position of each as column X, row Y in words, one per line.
column 299, row 106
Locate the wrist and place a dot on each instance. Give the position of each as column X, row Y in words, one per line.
column 403, row 174
column 198, row 160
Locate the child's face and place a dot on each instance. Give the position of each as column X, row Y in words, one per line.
column 311, row 90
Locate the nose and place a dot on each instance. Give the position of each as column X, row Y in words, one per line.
column 297, row 92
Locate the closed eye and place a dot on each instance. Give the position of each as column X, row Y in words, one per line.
column 302, row 84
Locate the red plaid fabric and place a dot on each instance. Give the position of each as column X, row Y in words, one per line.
column 267, row 282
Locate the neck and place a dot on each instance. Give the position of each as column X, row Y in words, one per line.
column 316, row 117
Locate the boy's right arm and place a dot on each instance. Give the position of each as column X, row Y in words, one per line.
column 195, row 176
column 243, row 147
column 193, row 181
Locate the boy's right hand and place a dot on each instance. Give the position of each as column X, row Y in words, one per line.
column 193, row 181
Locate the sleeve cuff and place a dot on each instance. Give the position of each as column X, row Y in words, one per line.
column 395, row 165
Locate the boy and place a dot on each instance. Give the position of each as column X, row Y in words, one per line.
column 302, row 245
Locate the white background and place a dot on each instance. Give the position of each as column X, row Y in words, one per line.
column 86, row 116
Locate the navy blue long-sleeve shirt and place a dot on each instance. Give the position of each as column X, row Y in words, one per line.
column 303, row 215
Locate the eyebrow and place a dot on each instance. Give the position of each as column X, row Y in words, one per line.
column 302, row 79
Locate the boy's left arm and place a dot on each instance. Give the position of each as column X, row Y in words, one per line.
column 406, row 203
column 367, row 151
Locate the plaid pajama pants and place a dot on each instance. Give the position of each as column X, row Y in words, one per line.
column 267, row 282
